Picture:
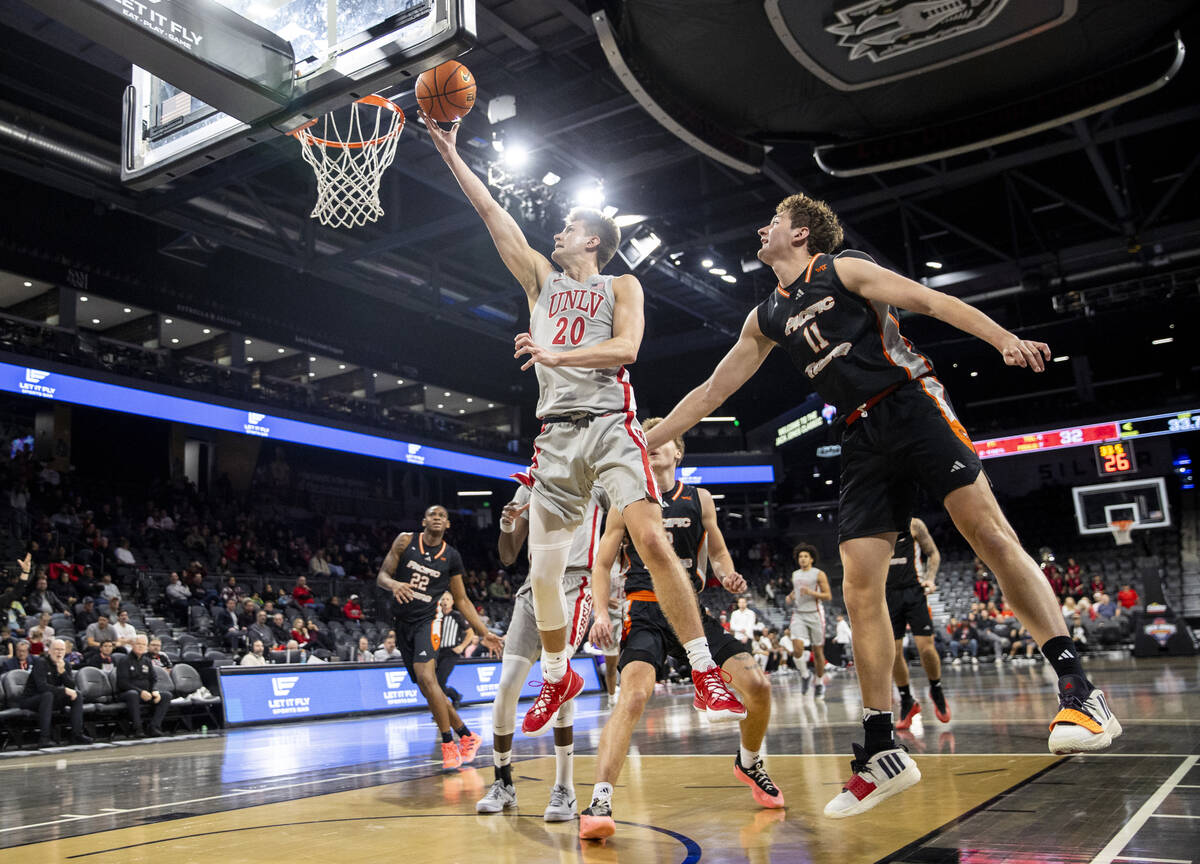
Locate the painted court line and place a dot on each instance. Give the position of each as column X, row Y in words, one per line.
column 1153, row 860
column 1109, row 853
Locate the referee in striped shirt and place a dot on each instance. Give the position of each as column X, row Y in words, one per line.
column 455, row 637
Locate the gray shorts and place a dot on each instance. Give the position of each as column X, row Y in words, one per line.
column 523, row 639
column 569, row 457
column 809, row 627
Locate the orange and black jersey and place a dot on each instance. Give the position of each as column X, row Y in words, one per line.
column 850, row 348
column 902, row 571
column 683, row 519
column 428, row 570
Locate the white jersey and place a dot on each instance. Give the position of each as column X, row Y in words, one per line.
column 569, row 315
column 586, row 539
column 806, row 579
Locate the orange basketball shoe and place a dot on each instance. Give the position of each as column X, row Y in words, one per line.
column 468, row 746
column 765, row 792
column 451, row 756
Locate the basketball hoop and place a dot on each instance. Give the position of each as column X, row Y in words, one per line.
column 1122, row 531
column 350, row 163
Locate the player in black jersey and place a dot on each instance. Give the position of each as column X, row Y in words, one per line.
column 690, row 519
column 835, row 318
column 908, row 583
column 418, row 569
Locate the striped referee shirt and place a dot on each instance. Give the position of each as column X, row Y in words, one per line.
column 453, row 627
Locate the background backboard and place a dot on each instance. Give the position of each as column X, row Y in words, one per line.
column 1143, row 502
column 343, row 49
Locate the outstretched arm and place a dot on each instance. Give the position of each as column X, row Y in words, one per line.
column 528, row 266
column 718, row 552
column 629, row 321
column 734, row 370
column 872, row 282
column 464, row 605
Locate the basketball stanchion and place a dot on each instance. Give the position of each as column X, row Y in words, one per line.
column 349, row 160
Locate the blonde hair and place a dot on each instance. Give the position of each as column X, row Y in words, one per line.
column 824, row 229
column 598, row 225
column 649, row 424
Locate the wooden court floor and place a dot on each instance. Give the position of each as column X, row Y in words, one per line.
column 369, row 788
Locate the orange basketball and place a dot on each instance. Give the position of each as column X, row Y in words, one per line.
column 446, row 92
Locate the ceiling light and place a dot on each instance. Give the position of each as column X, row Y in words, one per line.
column 95, row 320
column 715, row 419
column 477, row 493
column 718, row 496
column 974, row 374
column 729, row 278
column 399, row 381
column 717, row 271
column 280, row 350
column 828, row 482
column 1061, row 359
column 447, row 393
column 341, row 365
column 934, row 265
column 706, row 262
column 628, row 219
column 126, row 310
column 516, row 155
column 248, row 341
column 249, row 359
column 550, row 178
column 28, row 284
column 1164, row 341
column 165, row 320
column 206, row 331
column 82, row 299
column 462, row 410
column 374, row 374
column 469, row 399
column 175, row 341
column 590, row 196
column 312, row 374
column 312, row 359
column 441, row 405
column 610, row 211
column 491, row 404
column 749, row 265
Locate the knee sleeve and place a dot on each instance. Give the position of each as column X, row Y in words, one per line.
column 513, row 672
column 549, row 548
column 566, row 716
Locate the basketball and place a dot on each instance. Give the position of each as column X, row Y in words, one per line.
column 446, row 92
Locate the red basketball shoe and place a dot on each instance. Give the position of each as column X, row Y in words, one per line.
column 713, row 699
column 549, row 700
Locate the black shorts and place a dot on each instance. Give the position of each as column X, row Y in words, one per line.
column 908, row 606
column 912, row 437
column 647, row 636
column 417, row 640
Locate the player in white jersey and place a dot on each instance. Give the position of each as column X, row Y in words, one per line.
column 810, row 587
column 522, row 646
column 584, row 328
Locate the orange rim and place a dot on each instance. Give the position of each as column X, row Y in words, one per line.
column 305, row 137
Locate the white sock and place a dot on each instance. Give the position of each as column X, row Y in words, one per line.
column 564, row 766
column 501, row 758
column 602, row 792
column 554, row 665
column 748, row 757
column 697, row 653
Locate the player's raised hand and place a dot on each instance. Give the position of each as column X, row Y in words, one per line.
column 734, row 582
column 493, row 643
column 601, row 634
column 1025, row 353
column 403, row 592
column 446, row 141
column 524, row 344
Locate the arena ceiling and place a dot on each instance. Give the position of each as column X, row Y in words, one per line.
column 1085, row 233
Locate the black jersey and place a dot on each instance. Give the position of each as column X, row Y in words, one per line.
column 683, row 519
column 428, row 571
column 902, row 573
column 850, row 348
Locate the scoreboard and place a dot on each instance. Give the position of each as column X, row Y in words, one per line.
column 1115, row 458
column 1051, row 440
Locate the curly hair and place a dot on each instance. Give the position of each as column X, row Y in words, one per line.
column 805, row 547
column 824, row 229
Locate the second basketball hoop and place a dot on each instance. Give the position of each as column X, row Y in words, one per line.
column 349, row 158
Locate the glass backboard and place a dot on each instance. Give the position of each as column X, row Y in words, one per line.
column 344, row 49
column 1142, row 502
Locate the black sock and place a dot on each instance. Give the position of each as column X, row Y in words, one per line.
column 878, row 729
column 905, row 692
column 504, row 774
column 1060, row 652
column 935, row 685
column 447, row 737
column 463, row 731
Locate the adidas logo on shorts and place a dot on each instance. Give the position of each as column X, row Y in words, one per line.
column 957, row 466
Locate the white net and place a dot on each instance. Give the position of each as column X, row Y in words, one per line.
column 349, row 159
column 1122, row 532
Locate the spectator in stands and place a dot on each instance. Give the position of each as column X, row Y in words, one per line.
column 499, row 589
column 47, row 629
column 42, row 599
column 319, row 640
column 993, row 633
column 279, row 629
column 74, row 658
column 318, row 565
column 1073, row 569
column 1073, row 585
column 20, row 658
column 1022, row 639
column 100, row 632
column 37, row 644
column 225, row 625
column 86, row 616
column 985, row 589
column 300, row 631
column 109, row 591
column 362, row 653
column 1106, row 608
column 260, row 630
column 123, row 555
column 1068, row 608
column 1127, row 597
column 125, row 631
column 103, row 659
column 723, row 620
column 963, row 637
column 232, row 589
column 1079, row 633
column 352, row 611
column 85, row 585
column 743, row 621
column 303, row 596
column 1096, row 585
column 255, row 657
column 50, row 687
column 156, row 655
column 760, row 645
column 135, row 685
column 842, row 637
column 248, row 614
column 64, row 589
column 388, row 651
column 7, row 645
column 178, row 597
